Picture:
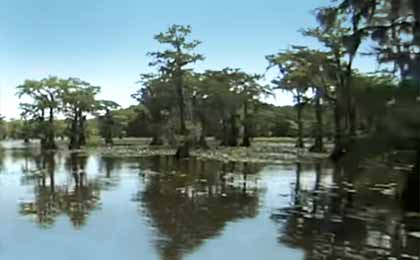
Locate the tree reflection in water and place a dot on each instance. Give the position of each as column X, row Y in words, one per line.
column 2, row 156
column 354, row 218
column 190, row 201
column 107, row 166
column 75, row 197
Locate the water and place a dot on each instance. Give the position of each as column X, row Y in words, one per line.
column 85, row 206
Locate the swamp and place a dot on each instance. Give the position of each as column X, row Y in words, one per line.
column 161, row 207
column 291, row 132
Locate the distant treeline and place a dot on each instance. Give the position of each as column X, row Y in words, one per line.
column 367, row 114
column 270, row 121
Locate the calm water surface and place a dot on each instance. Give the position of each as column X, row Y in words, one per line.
column 79, row 206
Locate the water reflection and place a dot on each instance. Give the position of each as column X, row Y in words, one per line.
column 108, row 166
column 191, row 201
column 162, row 208
column 74, row 196
column 2, row 156
column 355, row 217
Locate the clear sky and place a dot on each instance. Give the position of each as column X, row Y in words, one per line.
column 105, row 41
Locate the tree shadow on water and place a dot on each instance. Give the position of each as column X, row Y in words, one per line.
column 191, row 201
column 75, row 197
column 348, row 219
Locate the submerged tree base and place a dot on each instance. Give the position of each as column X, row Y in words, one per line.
column 317, row 149
column 157, row 141
column 183, row 151
column 264, row 150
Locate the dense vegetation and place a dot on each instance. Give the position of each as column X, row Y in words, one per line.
column 366, row 114
column 203, row 166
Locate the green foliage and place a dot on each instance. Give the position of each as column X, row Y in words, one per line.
column 301, row 69
column 3, row 129
column 52, row 96
column 79, row 100
column 180, row 52
column 46, row 99
column 156, row 99
column 172, row 63
column 331, row 97
column 108, row 125
column 393, row 25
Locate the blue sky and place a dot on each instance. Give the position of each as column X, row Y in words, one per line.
column 105, row 41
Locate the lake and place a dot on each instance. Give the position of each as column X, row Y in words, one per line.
column 87, row 206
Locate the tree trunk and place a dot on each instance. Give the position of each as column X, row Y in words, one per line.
column 202, row 143
column 411, row 193
column 246, row 136
column 233, row 135
column 353, row 120
column 157, row 136
column 299, row 106
column 342, row 105
column 297, row 185
column 74, row 135
column 319, row 132
column 82, row 130
column 183, row 151
column 43, row 135
column 50, row 132
column 109, row 140
column 225, row 133
column 181, row 102
column 338, row 135
column 230, row 131
column 108, row 128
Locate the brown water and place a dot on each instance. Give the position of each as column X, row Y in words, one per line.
column 63, row 206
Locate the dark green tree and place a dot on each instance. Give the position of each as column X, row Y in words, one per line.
column 225, row 101
column 156, row 100
column 294, row 78
column 79, row 100
column 108, row 125
column 46, row 102
column 173, row 62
